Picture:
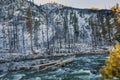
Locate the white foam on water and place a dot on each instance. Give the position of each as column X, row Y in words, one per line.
column 2, row 75
column 82, row 71
column 18, row 76
column 37, row 78
column 59, row 71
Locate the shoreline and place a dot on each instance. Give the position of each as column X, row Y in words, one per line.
column 16, row 57
column 13, row 63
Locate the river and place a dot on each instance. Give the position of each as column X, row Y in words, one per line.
column 85, row 67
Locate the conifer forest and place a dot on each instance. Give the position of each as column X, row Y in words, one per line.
column 56, row 41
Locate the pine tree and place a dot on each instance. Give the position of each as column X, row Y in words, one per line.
column 9, row 36
column 29, row 24
column 36, row 26
column 76, row 27
column 65, row 29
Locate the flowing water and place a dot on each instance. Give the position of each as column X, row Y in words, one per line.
column 85, row 67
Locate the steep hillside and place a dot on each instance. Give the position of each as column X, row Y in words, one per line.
column 55, row 28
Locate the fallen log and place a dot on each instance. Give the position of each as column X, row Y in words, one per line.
column 45, row 66
column 48, row 67
column 64, row 62
column 61, row 63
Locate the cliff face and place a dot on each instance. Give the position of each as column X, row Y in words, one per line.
column 55, row 28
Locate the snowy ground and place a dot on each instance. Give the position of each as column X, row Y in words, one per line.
column 11, row 61
column 73, row 49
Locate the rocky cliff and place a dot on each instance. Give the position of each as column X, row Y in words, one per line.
column 55, row 28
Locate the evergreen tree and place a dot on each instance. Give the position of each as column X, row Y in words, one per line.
column 36, row 26
column 76, row 27
column 29, row 24
column 65, row 29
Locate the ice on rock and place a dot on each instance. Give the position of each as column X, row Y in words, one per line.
column 85, row 32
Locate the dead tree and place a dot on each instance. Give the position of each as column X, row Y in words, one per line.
column 48, row 50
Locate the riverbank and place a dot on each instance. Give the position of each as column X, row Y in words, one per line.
column 13, row 61
column 8, row 57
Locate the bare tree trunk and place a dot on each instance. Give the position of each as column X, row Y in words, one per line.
column 65, row 41
column 60, row 42
column 43, row 38
column 13, row 38
column 31, row 41
column 53, row 41
column 47, row 34
column 23, row 29
column 9, row 39
column 57, row 45
column 4, row 39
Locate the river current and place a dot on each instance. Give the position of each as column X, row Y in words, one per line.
column 85, row 67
